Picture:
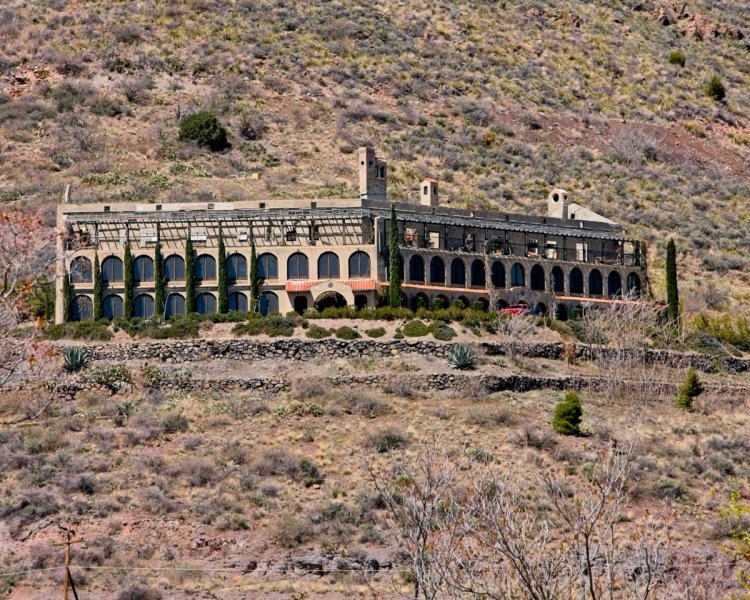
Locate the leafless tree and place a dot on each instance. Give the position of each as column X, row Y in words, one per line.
column 514, row 330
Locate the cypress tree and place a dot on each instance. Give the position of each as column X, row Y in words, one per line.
column 673, row 300
column 127, row 310
column 67, row 298
column 394, row 267
column 254, row 280
column 97, row 288
column 223, row 284
column 159, row 284
column 189, row 276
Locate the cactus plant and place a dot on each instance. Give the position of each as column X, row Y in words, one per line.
column 74, row 358
column 462, row 357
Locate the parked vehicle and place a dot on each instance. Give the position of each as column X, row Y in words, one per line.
column 517, row 309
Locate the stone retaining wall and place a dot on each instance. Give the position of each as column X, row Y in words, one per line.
column 182, row 351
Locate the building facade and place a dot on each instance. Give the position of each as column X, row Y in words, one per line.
column 334, row 252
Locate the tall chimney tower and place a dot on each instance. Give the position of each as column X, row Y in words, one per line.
column 372, row 176
column 428, row 192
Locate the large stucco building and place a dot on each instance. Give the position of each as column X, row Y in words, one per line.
column 334, row 251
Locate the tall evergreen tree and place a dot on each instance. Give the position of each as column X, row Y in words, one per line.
column 97, row 288
column 223, row 283
column 159, row 283
column 67, row 298
column 127, row 310
column 254, row 280
column 189, row 276
column 673, row 299
column 394, row 266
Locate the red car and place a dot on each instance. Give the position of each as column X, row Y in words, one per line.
column 516, row 309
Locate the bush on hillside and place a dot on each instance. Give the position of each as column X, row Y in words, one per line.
column 715, row 89
column 677, row 58
column 690, row 389
column 204, row 128
column 568, row 413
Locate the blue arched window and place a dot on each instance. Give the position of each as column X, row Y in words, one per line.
column 83, row 308
column 517, row 275
column 576, row 281
column 558, row 279
column 237, row 302
column 205, row 267
column 596, row 284
column 297, row 267
column 112, row 307
column 268, row 266
column 143, row 269
column 458, row 272
column 537, row 278
column 205, row 303
column 614, row 284
column 437, row 270
column 80, row 270
column 143, row 306
column 416, row 268
column 268, row 303
column 175, row 305
column 236, row 267
column 112, row 270
column 477, row 274
column 328, row 266
column 359, row 265
column 498, row 274
column 174, row 268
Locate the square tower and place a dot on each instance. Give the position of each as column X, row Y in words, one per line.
column 372, row 175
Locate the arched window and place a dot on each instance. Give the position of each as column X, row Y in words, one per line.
column 437, row 270
column 174, row 268
column 237, row 302
column 458, row 272
column 112, row 307
column 236, row 267
column 328, row 266
column 557, row 278
column 498, row 274
column 477, row 273
column 143, row 306
column 416, row 268
column 111, row 270
column 205, row 303
column 596, row 285
column 205, row 268
column 297, row 267
column 634, row 284
column 83, row 308
column 268, row 303
column 359, row 265
column 614, row 284
column 175, row 305
column 268, row 266
column 517, row 275
column 537, row 278
column 143, row 269
column 576, row 281
column 80, row 270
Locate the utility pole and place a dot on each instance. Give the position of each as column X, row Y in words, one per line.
column 68, row 580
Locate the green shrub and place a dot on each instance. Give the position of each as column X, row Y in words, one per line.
column 74, row 358
column 441, row 331
column 458, row 304
column 387, row 439
column 252, row 327
column 568, row 413
column 415, row 329
column 477, row 306
column 310, row 472
column 715, row 89
column 690, row 389
column 112, row 377
column 677, row 58
column 279, row 326
column 174, row 423
column 377, row 332
column 300, row 408
column 316, row 332
column 204, row 128
column 462, row 357
column 346, row 333
column 438, row 304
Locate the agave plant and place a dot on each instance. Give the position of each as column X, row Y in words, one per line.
column 462, row 357
column 74, row 358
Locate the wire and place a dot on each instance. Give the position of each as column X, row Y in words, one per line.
column 14, row 573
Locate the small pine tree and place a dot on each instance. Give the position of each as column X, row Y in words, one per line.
column 223, row 287
column 673, row 299
column 254, row 280
column 127, row 309
column 67, row 298
column 189, row 276
column 715, row 89
column 568, row 413
column 691, row 388
column 204, row 128
column 97, row 288
column 394, row 266
column 159, row 283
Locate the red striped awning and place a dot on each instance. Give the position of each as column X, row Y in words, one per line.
column 357, row 285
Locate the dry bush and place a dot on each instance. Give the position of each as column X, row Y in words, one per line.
column 361, row 401
column 276, row 462
column 290, row 531
column 400, row 386
column 490, row 417
column 311, row 387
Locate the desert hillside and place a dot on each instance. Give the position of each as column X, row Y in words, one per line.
column 499, row 100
